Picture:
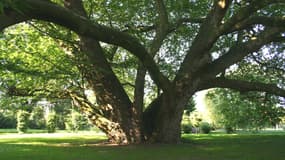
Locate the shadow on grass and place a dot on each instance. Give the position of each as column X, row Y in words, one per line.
column 195, row 147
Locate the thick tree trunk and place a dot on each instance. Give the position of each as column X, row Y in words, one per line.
column 116, row 131
column 110, row 95
column 160, row 124
column 168, row 123
column 162, row 120
column 113, row 131
column 120, row 119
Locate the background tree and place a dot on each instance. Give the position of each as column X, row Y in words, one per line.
column 51, row 122
column 234, row 110
column 22, row 121
column 182, row 46
column 250, row 110
column 77, row 121
column 37, row 118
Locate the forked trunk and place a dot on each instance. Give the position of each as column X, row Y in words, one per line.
column 160, row 122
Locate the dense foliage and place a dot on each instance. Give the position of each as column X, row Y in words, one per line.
column 51, row 122
column 205, row 127
column 7, row 121
column 22, row 121
column 37, row 114
column 235, row 110
column 142, row 60
column 76, row 121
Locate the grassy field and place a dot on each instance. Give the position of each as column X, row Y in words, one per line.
column 86, row 146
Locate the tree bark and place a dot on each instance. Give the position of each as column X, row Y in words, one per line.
column 120, row 121
column 162, row 119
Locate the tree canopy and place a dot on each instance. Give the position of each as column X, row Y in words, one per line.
column 236, row 110
column 122, row 51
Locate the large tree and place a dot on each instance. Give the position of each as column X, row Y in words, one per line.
column 237, row 110
column 185, row 46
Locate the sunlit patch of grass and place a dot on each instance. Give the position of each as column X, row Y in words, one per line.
column 84, row 146
column 30, row 131
column 55, row 139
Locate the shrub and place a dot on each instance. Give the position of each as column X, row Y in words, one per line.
column 76, row 122
column 186, row 128
column 51, row 122
column 229, row 129
column 60, row 121
column 7, row 121
column 205, row 127
column 37, row 120
column 22, row 121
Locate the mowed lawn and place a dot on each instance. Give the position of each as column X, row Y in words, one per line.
column 88, row 146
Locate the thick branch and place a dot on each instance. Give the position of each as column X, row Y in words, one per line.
column 198, row 54
column 84, row 104
column 279, row 39
column 244, row 86
column 266, row 21
column 112, row 129
column 162, row 27
column 239, row 51
column 162, row 13
column 10, row 17
column 161, row 33
column 43, row 10
column 243, row 15
column 267, row 65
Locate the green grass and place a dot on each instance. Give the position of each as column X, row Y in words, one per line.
column 84, row 146
column 29, row 131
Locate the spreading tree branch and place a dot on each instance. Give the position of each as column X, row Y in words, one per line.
column 243, row 86
column 279, row 39
column 162, row 27
column 266, row 65
column 74, row 43
column 161, row 31
column 239, row 51
column 243, row 19
column 47, row 11
column 198, row 54
column 10, row 17
column 266, row 21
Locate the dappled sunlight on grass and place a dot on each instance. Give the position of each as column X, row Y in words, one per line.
column 208, row 136
column 55, row 139
column 47, row 135
column 88, row 146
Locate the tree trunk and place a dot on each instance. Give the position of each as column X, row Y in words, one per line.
column 113, row 131
column 116, row 131
column 160, row 124
column 111, row 97
column 120, row 120
column 124, row 121
column 162, row 119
